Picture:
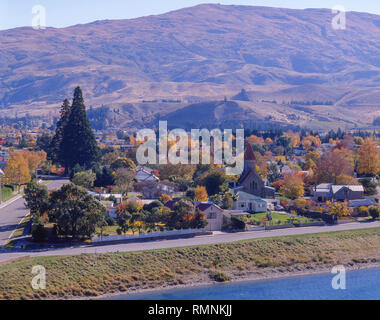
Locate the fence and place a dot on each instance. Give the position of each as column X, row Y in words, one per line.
column 150, row 235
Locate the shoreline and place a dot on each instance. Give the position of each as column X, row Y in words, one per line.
column 268, row 275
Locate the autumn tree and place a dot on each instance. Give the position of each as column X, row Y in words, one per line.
column 17, row 169
column 293, row 186
column 369, row 158
column 338, row 208
column 201, row 194
column 330, row 166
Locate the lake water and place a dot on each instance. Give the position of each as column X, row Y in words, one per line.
column 360, row 285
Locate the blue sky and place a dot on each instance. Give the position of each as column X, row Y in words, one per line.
column 62, row 13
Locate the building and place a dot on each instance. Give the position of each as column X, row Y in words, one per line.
column 153, row 190
column 214, row 215
column 342, row 193
column 144, row 174
column 328, row 191
column 322, row 192
column 250, row 179
column 249, row 203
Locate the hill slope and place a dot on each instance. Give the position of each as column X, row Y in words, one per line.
column 207, row 51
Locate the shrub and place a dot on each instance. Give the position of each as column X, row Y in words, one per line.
column 39, row 232
column 374, row 212
column 110, row 221
column 219, row 276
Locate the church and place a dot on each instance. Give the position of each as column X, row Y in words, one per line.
column 250, row 181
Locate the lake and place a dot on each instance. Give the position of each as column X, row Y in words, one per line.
column 360, row 285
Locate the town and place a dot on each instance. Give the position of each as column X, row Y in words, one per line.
column 290, row 180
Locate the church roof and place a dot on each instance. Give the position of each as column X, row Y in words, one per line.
column 248, row 154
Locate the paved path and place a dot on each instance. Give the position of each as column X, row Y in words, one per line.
column 14, row 211
column 201, row 240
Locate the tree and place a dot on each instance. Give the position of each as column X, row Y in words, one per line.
column 104, row 177
column 293, row 187
column 273, row 172
column 75, row 212
column 124, row 180
column 78, row 144
column 369, row 158
column 330, row 166
column 123, row 163
column 37, row 199
column 370, row 187
column 201, row 194
column 339, row 209
column 55, row 149
column 344, row 179
column 17, row 169
column 84, row 179
column 165, row 198
column 214, row 181
column 374, row 212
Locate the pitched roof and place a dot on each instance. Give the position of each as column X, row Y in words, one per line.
column 248, row 153
column 354, row 188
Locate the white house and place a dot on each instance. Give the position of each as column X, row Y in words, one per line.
column 249, row 203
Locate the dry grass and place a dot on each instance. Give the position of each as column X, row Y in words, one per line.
column 93, row 275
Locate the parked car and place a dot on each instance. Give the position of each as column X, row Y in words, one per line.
column 279, row 208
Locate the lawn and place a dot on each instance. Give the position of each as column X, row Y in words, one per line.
column 91, row 275
column 278, row 218
column 6, row 193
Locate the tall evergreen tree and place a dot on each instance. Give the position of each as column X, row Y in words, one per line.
column 54, row 153
column 79, row 146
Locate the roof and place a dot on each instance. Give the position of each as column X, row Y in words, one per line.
column 354, row 188
column 248, row 153
column 324, row 187
column 247, row 196
column 203, row 206
column 361, row 203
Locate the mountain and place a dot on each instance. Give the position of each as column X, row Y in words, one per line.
column 197, row 54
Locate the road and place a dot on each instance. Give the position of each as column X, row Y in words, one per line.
column 201, row 240
column 12, row 214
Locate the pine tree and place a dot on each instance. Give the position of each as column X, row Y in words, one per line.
column 55, row 145
column 79, row 146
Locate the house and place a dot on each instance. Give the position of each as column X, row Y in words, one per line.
column 342, row 193
column 322, row 192
column 249, row 203
column 214, row 215
column 250, row 179
column 144, row 174
column 154, row 189
column 328, row 191
column 106, row 196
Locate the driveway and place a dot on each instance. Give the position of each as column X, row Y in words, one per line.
column 12, row 214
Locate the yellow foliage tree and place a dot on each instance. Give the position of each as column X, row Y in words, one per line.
column 17, row 170
column 165, row 198
column 201, row 194
column 338, row 208
column 293, row 187
column 369, row 158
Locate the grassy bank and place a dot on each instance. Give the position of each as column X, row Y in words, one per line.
column 93, row 275
column 6, row 193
